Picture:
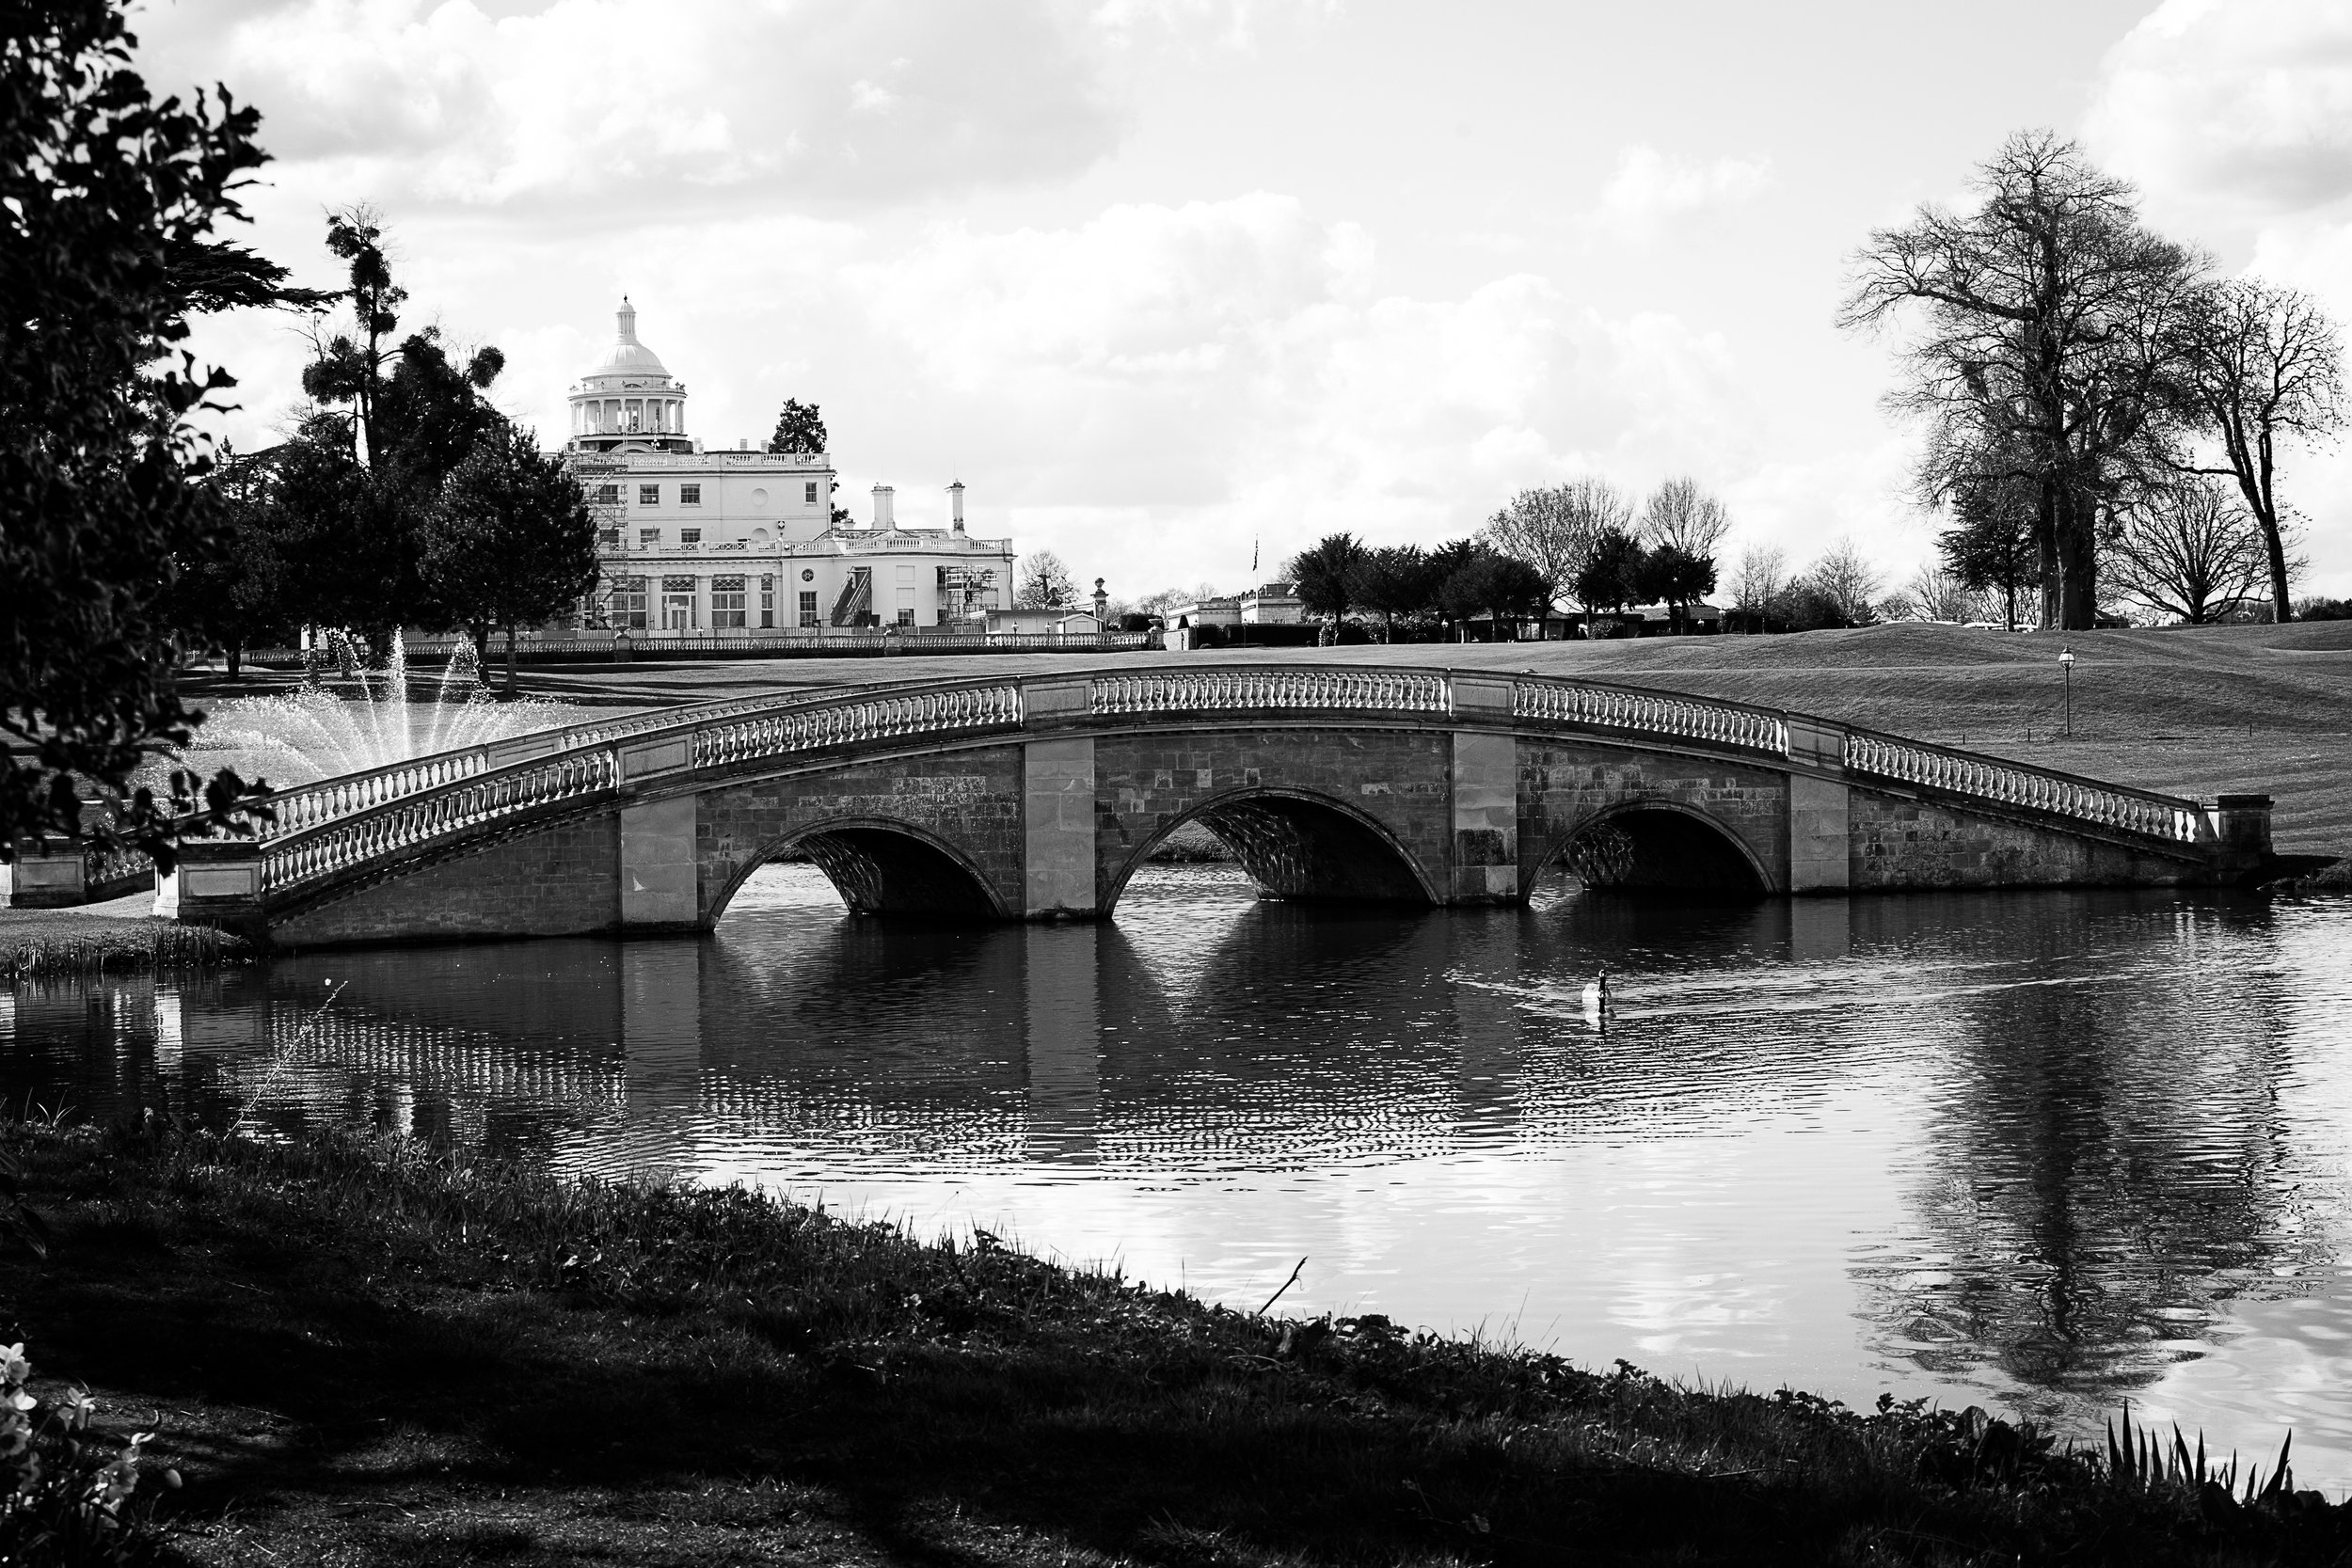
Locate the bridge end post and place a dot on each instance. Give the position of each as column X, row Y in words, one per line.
column 214, row 882
column 2241, row 832
column 46, row 877
column 1820, row 811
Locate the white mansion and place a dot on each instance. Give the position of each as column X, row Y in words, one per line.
column 700, row 542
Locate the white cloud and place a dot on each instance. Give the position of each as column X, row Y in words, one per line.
column 2236, row 121
column 1649, row 188
column 2234, row 104
column 655, row 104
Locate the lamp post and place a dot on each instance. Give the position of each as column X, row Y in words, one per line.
column 2066, row 662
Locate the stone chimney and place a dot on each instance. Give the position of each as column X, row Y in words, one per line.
column 885, row 507
column 955, row 505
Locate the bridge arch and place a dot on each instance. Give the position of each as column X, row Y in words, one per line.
column 1299, row 845
column 1653, row 846
column 879, row 867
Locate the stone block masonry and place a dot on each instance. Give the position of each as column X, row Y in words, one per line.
column 1899, row 844
column 1565, row 785
column 971, row 804
column 559, row 879
column 1395, row 785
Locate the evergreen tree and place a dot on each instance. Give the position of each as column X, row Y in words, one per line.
column 1321, row 575
column 512, row 541
column 800, row 429
column 1612, row 575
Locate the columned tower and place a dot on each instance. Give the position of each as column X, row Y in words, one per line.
column 630, row 402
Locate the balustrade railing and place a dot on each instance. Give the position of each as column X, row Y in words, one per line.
column 1652, row 713
column 845, row 722
column 1254, row 690
column 2113, row 806
column 472, row 803
column 306, row 806
column 339, row 824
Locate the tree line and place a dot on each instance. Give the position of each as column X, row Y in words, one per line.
column 401, row 498
column 2104, row 416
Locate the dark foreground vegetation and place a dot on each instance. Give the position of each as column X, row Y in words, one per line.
column 361, row 1352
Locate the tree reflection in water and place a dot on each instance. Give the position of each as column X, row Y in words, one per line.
column 2042, row 1146
column 2108, row 1165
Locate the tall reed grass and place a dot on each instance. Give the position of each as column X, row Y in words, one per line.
column 92, row 946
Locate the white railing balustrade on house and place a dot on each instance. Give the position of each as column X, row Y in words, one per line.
column 1254, row 690
column 1652, row 713
column 2111, row 806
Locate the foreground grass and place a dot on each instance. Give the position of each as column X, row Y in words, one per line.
column 360, row 1353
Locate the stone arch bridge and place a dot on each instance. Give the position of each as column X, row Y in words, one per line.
column 1037, row 798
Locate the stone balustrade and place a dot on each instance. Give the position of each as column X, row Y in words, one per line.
column 337, row 826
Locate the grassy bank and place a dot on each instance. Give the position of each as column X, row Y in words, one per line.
column 357, row 1352
column 39, row 943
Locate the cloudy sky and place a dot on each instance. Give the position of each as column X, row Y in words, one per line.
column 1165, row 281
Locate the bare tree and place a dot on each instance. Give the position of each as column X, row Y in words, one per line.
column 2190, row 552
column 1044, row 583
column 2049, row 327
column 1679, row 514
column 1554, row 530
column 1758, row 583
column 1847, row 581
column 1937, row 594
column 2262, row 363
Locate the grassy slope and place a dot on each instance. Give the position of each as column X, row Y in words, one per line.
column 358, row 1354
column 2167, row 710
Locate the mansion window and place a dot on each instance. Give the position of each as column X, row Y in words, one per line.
column 808, row 608
column 766, row 602
column 649, row 494
column 809, row 492
column 677, row 604
column 690, row 536
column 726, row 604
column 628, row 611
column 649, row 536
column 608, row 495
column 609, row 536
column 690, row 495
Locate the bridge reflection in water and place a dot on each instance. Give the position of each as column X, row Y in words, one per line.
column 2052, row 1147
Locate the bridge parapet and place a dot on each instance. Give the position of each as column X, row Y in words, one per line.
column 475, row 803
column 305, row 806
column 1652, row 714
column 1262, row 690
column 2115, row 807
column 349, row 828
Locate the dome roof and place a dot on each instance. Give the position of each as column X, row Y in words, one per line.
column 628, row 356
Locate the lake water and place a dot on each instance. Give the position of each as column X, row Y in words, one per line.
column 2045, row 1151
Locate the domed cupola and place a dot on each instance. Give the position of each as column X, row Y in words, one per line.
column 629, row 400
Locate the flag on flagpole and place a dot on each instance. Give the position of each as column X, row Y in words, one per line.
column 1253, row 560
